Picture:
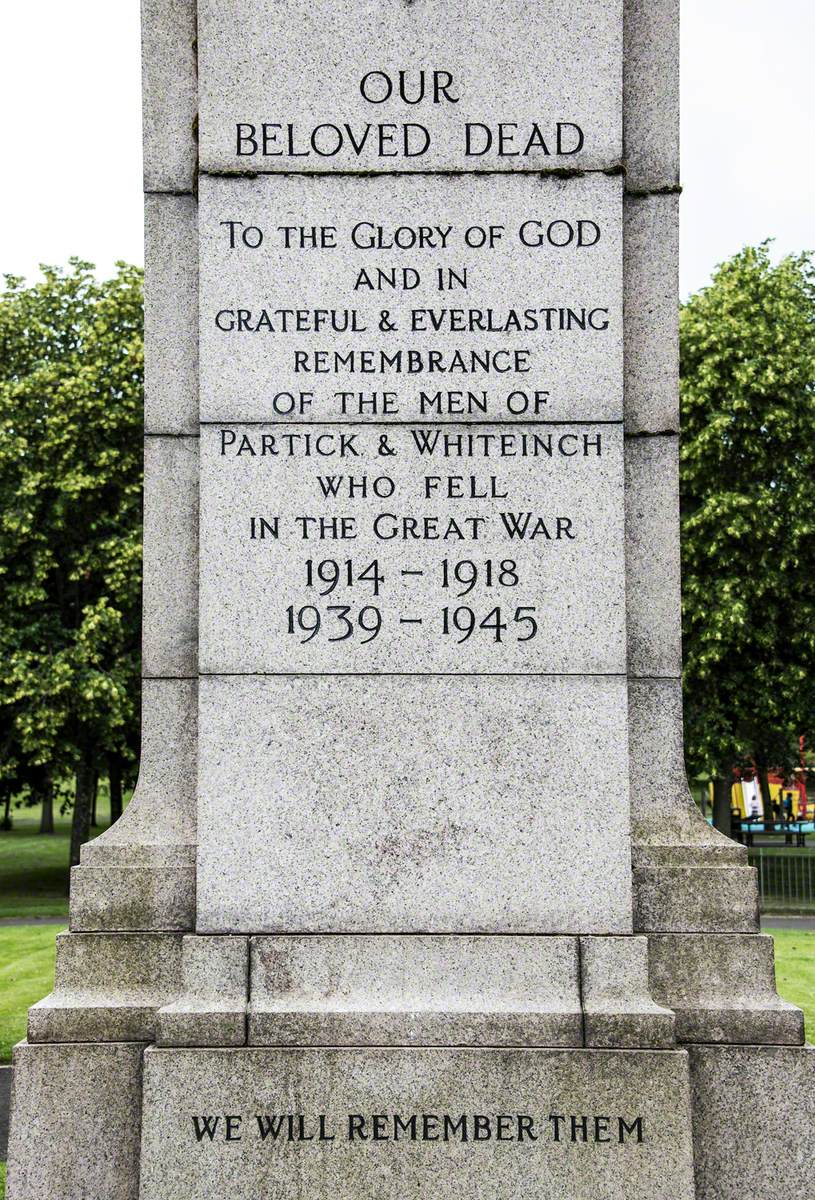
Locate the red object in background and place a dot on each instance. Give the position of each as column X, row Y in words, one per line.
column 801, row 781
column 798, row 784
column 801, row 803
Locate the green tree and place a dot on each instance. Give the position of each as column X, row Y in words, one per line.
column 748, row 515
column 71, row 369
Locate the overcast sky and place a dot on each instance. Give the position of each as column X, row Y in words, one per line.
column 71, row 130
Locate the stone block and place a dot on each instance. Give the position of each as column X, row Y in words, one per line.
column 171, row 314
column 300, row 65
column 170, row 96
column 618, row 1010
column 651, row 95
column 722, row 988
column 695, row 898
column 575, row 362
column 652, row 566
column 373, row 804
column 753, row 1115
column 170, row 634
column 253, row 589
column 76, row 1117
column 211, row 1011
column 108, row 987
column 651, row 290
column 631, row 1106
column 119, row 897
column 5, row 1107
column 415, row 990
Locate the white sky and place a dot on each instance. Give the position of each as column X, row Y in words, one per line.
column 70, row 121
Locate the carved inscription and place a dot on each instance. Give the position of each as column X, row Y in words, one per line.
column 419, row 548
column 279, row 1129
column 415, row 299
column 412, row 397
column 396, row 87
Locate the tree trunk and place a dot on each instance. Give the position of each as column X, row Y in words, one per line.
column 722, row 789
column 5, row 824
column 47, row 810
column 764, row 781
column 115, row 787
column 94, row 798
column 83, row 799
column 704, row 796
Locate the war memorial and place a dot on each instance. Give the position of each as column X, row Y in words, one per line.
column 411, row 579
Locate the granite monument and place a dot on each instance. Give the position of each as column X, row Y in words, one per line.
column 411, row 898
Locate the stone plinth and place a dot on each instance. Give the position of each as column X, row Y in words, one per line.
column 75, row 1125
column 777, row 1085
column 584, row 1124
column 418, row 990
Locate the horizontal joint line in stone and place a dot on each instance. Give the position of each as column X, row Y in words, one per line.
column 545, row 173
column 194, row 436
column 639, row 678
column 670, row 190
column 181, row 678
column 165, row 930
column 415, row 933
column 410, row 674
column 403, row 424
column 526, row 1047
column 171, row 192
column 681, row 1044
column 649, row 433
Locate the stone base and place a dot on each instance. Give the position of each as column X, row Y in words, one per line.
column 687, row 877
column 704, row 897
column 721, row 988
column 627, row 1124
column 75, row 1121
column 108, row 987
column 387, row 1123
column 753, row 1116
column 418, row 990
column 133, row 898
column 139, row 875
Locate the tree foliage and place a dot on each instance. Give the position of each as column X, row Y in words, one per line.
column 71, row 370
column 748, row 512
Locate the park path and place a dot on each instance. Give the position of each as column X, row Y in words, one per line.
column 768, row 921
column 35, row 920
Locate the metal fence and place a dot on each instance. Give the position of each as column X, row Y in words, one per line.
column 784, row 880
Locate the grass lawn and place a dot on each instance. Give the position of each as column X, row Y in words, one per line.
column 34, row 871
column 26, row 975
column 34, row 866
column 795, row 971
